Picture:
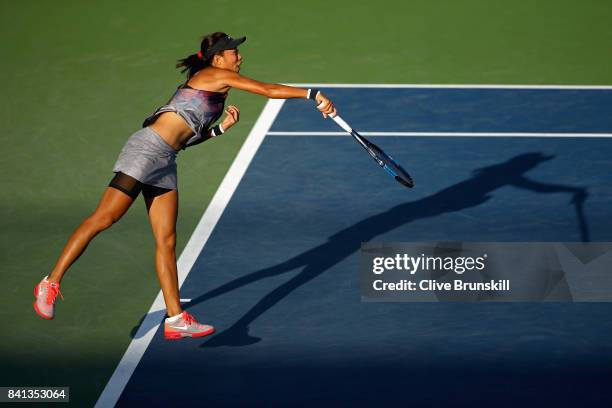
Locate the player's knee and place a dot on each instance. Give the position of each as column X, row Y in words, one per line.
column 166, row 241
column 101, row 221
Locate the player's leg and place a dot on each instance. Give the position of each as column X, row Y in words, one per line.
column 162, row 206
column 113, row 205
column 115, row 202
column 163, row 211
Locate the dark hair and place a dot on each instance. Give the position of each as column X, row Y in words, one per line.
column 193, row 63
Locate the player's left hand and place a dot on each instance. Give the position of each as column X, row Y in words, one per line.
column 232, row 117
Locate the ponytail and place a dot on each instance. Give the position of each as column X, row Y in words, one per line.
column 199, row 60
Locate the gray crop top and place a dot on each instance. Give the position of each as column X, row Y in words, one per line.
column 199, row 108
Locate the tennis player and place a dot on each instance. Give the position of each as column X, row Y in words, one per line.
column 146, row 165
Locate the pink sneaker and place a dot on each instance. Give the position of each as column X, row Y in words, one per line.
column 45, row 293
column 186, row 326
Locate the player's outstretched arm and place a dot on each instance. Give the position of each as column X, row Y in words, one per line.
column 277, row 91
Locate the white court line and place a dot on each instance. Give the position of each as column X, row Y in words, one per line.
column 438, row 134
column 143, row 337
column 450, row 86
column 455, row 86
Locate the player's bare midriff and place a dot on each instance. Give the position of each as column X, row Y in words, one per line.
column 173, row 129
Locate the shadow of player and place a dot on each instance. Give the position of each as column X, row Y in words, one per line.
column 465, row 194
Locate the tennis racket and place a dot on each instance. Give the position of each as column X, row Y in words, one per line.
column 384, row 160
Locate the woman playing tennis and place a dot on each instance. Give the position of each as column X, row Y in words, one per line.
column 147, row 164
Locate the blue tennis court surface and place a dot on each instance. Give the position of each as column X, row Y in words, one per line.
column 279, row 275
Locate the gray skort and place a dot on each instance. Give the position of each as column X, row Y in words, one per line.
column 149, row 159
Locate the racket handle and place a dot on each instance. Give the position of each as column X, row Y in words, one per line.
column 342, row 123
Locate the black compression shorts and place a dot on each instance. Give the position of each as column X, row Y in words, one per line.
column 132, row 187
